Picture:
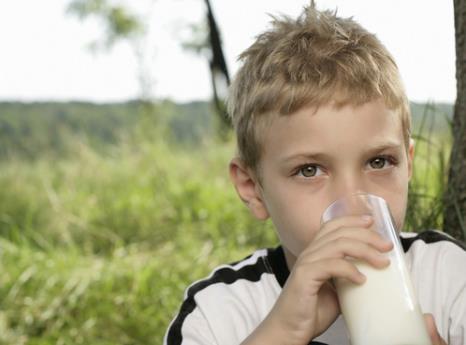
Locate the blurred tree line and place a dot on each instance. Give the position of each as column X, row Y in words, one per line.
column 31, row 130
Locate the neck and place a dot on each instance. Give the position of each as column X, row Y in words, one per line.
column 289, row 258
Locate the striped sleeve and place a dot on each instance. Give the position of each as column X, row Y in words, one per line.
column 222, row 308
column 190, row 328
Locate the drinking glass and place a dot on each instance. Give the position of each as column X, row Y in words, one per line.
column 384, row 309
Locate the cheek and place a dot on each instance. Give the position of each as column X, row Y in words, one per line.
column 398, row 212
column 296, row 218
column 397, row 204
column 395, row 193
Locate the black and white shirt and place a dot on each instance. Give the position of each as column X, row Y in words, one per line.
column 227, row 306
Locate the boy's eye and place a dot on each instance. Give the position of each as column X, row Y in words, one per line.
column 381, row 162
column 309, row 170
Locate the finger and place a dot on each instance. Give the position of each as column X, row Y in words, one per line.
column 347, row 221
column 346, row 247
column 323, row 270
column 336, row 225
column 360, row 234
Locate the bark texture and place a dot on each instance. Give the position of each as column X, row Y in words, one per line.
column 455, row 198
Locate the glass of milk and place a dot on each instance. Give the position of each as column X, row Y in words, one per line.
column 383, row 310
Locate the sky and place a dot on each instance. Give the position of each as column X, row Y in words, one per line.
column 45, row 51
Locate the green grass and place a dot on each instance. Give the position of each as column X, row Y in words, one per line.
column 98, row 249
column 65, row 297
column 428, row 183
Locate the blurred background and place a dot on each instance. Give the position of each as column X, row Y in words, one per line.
column 114, row 148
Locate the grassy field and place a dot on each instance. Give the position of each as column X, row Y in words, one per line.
column 97, row 248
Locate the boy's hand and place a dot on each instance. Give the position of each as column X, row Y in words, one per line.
column 432, row 329
column 308, row 303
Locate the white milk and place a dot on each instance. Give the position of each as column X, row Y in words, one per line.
column 380, row 311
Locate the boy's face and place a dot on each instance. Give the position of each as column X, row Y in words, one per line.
column 311, row 158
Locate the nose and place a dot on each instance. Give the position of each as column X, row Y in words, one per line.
column 347, row 184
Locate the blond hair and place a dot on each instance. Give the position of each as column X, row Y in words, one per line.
column 312, row 60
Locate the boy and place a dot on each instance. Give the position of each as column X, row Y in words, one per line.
column 319, row 112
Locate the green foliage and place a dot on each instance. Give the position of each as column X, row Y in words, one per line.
column 58, row 297
column 34, row 130
column 431, row 119
column 118, row 21
column 198, row 43
column 29, row 130
column 432, row 137
column 109, row 241
column 101, row 232
column 145, row 194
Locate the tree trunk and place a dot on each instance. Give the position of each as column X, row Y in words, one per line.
column 219, row 73
column 455, row 200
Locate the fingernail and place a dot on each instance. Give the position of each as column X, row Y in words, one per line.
column 366, row 218
column 361, row 278
column 389, row 244
column 386, row 261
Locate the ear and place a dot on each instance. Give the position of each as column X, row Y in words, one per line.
column 248, row 188
column 410, row 158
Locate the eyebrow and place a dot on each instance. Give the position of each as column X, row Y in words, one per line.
column 378, row 147
column 390, row 145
